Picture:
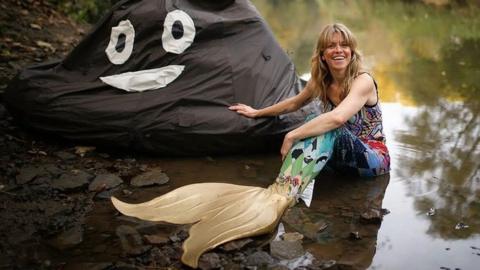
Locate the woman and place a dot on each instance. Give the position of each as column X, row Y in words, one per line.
column 352, row 116
column 223, row 212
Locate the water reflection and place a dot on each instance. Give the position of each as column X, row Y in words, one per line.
column 425, row 58
column 445, row 131
column 351, row 208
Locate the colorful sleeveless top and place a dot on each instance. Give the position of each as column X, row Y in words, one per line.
column 367, row 123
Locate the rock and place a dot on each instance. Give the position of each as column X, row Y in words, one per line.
column 156, row 239
column 83, row 150
column 292, row 237
column 160, row 259
column 28, row 173
column 259, row 258
column 45, row 45
column 354, row 235
column 461, row 225
column 174, row 238
column 127, row 192
column 69, row 238
column 306, row 261
column 328, row 264
column 105, row 181
column 237, row 244
column 278, row 267
column 71, row 181
column 53, row 170
column 309, row 223
column 239, row 257
column 209, row 261
column 65, row 155
column 372, row 216
column 104, row 155
column 131, row 240
column 153, row 177
column 286, row 250
column 106, row 194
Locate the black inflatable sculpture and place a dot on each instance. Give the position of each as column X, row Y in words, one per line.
column 158, row 76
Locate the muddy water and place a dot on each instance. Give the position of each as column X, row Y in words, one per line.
column 333, row 227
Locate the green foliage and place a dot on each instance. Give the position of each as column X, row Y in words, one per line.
column 84, row 10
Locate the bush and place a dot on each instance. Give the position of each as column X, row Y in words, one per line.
column 84, row 10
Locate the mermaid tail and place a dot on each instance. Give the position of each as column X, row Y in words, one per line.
column 225, row 212
column 221, row 213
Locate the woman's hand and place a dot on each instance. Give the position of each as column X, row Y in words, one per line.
column 287, row 145
column 244, row 110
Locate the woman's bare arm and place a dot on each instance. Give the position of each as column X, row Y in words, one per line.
column 285, row 106
column 362, row 89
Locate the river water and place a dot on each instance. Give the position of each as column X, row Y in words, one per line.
column 425, row 59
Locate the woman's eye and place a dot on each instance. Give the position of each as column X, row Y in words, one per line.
column 121, row 42
column 178, row 32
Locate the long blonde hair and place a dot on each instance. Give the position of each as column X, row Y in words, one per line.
column 321, row 76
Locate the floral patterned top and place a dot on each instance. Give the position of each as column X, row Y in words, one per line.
column 367, row 123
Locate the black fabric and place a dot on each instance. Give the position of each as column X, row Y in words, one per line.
column 234, row 58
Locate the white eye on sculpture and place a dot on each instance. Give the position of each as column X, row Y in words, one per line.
column 121, row 42
column 178, row 32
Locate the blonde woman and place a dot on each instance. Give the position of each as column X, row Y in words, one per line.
column 349, row 132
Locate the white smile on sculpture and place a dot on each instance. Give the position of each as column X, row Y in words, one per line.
column 149, row 79
column 178, row 35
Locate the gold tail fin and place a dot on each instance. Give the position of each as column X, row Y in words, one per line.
column 221, row 213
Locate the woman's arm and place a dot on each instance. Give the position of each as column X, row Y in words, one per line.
column 285, row 106
column 361, row 91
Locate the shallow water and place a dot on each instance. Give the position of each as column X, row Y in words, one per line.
column 423, row 59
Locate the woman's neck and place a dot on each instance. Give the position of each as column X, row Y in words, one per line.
column 338, row 76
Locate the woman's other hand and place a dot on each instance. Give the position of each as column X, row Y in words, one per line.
column 286, row 145
column 244, row 110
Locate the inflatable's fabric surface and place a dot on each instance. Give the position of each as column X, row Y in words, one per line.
column 159, row 75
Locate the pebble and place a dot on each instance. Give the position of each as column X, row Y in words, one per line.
column 156, row 239
column 71, row 181
column 29, row 173
column 65, row 155
column 292, row 237
column 131, row 240
column 69, row 238
column 105, row 181
column 153, row 177
column 259, row 258
column 209, row 261
column 461, row 226
column 286, row 250
column 237, row 244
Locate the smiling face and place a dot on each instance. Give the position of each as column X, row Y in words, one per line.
column 337, row 53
